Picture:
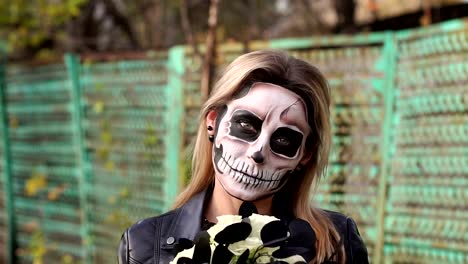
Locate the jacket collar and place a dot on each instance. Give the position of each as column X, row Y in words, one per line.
column 189, row 217
column 187, row 222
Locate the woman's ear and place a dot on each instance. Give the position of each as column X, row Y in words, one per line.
column 210, row 120
column 309, row 151
column 305, row 159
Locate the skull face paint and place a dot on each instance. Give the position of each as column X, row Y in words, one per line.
column 260, row 139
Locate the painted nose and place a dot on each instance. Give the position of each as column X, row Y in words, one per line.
column 256, row 151
column 257, row 156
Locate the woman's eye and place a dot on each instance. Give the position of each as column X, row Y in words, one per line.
column 282, row 141
column 247, row 127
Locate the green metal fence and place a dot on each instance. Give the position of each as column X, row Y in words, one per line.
column 358, row 109
column 6, row 193
column 91, row 145
column 427, row 206
column 129, row 144
column 44, row 168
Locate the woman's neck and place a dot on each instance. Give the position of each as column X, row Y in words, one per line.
column 221, row 203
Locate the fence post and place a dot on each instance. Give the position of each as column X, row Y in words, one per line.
column 388, row 65
column 72, row 63
column 173, row 119
column 7, row 174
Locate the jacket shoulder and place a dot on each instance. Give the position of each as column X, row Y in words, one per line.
column 356, row 251
column 139, row 241
column 147, row 225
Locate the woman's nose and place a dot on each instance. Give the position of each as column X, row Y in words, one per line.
column 256, row 150
column 257, row 156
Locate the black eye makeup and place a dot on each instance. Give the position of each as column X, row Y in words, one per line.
column 285, row 141
column 245, row 125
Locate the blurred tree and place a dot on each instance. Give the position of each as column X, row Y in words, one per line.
column 186, row 26
column 154, row 22
column 302, row 18
column 152, row 15
column 345, row 11
column 101, row 26
column 210, row 53
column 34, row 27
column 43, row 27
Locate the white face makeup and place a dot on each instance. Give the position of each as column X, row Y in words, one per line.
column 260, row 139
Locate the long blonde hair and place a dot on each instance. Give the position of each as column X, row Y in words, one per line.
column 305, row 80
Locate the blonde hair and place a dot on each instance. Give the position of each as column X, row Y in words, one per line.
column 305, row 80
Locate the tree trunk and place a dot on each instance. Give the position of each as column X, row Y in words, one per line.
column 123, row 22
column 210, row 53
column 252, row 29
column 345, row 10
column 185, row 21
column 152, row 16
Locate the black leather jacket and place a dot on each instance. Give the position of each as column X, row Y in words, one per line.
column 153, row 240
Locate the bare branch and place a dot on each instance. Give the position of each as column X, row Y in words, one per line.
column 187, row 27
column 208, row 62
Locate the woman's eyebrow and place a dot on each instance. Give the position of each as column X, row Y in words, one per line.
column 247, row 113
column 292, row 122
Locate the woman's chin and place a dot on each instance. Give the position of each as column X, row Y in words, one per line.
column 242, row 192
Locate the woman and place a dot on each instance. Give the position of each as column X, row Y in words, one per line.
column 264, row 137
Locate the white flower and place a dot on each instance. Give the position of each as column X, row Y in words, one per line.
column 223, row 221
column 188, row 253
column 294, row 259
column 258, row 221
column 253, row 242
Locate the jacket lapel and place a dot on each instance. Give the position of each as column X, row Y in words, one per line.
column 187, row 222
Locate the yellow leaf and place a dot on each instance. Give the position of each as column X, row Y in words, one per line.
column 109, row 165
column 55, row 193
column 67, row 259
column 99, row 107
column 87, row 63
column 103, row 153
column 106, row 137
column 34, row 184
column 37, row 247
column 151, row 140
column 124, row 192
column 52, row 195
column 14, row 123
column 112, row 199
column 99, row 86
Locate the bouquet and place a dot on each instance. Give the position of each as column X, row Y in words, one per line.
column 250, row 238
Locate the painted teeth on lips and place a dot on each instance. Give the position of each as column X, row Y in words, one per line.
column 230, row 162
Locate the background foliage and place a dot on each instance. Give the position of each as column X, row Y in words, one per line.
column 47, row 28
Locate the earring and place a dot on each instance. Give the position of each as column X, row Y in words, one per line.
column 211, row 138
column 299, row 167
column 210, row 128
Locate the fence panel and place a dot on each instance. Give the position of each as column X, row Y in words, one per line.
column 4, row 225
column 44, row 163
column 192, row 64
column 427, row 219
column 6, row 206
column 125, row 122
